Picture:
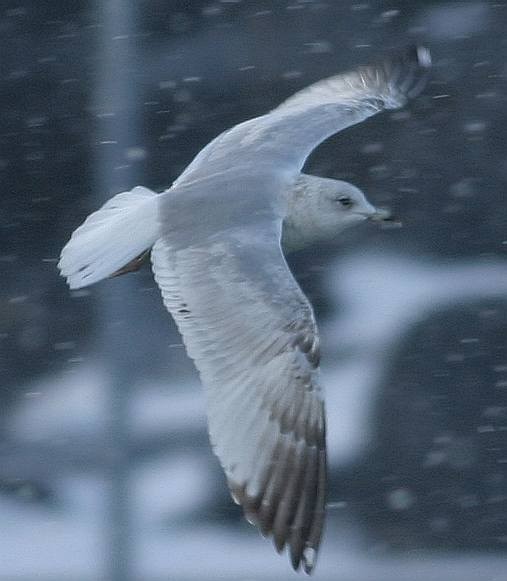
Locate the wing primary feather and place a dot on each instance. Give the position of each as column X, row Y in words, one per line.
column 281, row 466
column 312, row 544
column 303, row 517
column 289, row 496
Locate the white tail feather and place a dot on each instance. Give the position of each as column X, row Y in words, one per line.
column 110, row 238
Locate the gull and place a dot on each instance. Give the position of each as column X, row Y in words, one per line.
column 218, row 238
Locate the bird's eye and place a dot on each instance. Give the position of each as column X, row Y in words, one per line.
column 345, row 202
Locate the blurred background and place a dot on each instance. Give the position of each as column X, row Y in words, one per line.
column 105, row 467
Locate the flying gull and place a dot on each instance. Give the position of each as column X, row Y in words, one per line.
column 218, row 238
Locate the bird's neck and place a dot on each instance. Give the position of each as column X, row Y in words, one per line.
column 302, row 226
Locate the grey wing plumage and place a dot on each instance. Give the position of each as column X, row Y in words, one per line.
column 331, row 105
column 387, row 84
column 252, row 335
column 283, row 138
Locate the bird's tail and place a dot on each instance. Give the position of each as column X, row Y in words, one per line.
column 111, row 237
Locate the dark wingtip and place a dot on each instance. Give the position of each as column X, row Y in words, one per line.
column 411, row 68
column 421, row 57
column 397, row 77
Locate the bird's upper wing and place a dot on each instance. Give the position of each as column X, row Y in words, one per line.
column 285, row 137
column 252, row 335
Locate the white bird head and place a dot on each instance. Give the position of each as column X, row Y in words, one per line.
column 320, row 208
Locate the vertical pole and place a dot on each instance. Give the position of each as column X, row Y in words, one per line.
column 116, row 129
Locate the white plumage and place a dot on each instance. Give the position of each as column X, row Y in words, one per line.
column 111, row 237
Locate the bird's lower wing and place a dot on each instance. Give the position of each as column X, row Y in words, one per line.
column 252, row 335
